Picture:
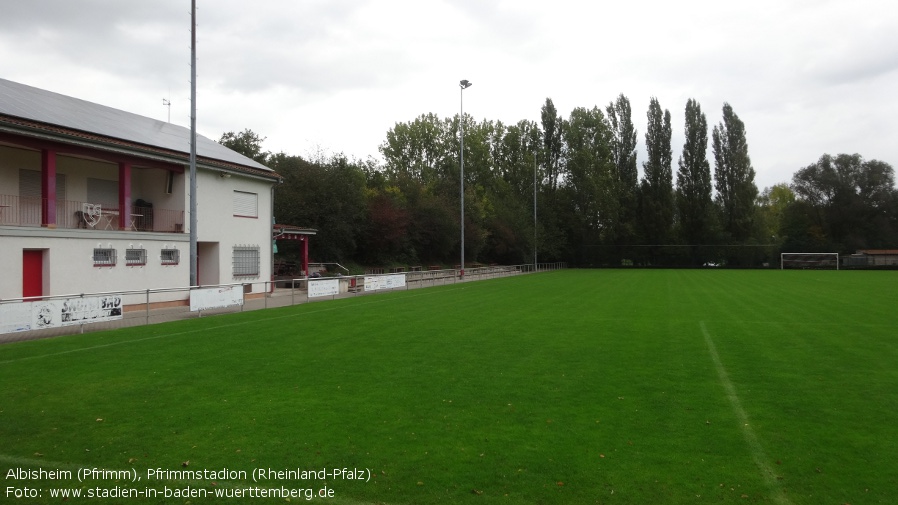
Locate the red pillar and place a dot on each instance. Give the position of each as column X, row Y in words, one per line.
column 305, row 254
column 48, row 188
column 124, row 195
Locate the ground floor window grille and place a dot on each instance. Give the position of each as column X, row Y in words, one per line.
column 104, row 257
column 171, row 256
column 135, row 257
column 246, row 261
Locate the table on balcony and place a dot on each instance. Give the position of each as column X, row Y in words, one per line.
column 107, row 220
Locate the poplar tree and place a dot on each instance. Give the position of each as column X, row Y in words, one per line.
column 623, row 149
column 694, row 203
column 656, row 191
column 734, row 176
column 552, row 125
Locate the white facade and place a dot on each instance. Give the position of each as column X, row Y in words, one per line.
column 50, row 242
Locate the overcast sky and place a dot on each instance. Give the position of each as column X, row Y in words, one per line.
column 807, row 77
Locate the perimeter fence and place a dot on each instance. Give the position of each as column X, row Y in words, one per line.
column 50, row 316
column 679, row 256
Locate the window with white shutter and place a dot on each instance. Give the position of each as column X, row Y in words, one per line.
column 31, row 198
column 246, row 204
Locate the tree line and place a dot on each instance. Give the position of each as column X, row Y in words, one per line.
column 580, row 174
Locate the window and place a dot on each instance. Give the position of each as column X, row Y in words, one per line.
column 104, row 257
column 246, row 204
column 102, row 191
column 135, row 257
column 171, row 256
column 31, row 196
column 246, row 261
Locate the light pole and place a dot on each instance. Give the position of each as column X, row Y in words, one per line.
column 535, row 164
column 463, row 84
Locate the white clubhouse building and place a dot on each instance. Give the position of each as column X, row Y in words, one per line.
column 95, row 199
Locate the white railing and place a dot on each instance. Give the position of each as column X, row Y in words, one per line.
column 149, row 306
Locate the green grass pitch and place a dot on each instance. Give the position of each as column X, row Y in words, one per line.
column 579, row 386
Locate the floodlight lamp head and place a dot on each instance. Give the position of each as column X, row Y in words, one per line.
column 464, row 83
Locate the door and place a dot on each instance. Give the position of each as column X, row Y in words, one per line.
column 32, row 272
column 207, row 263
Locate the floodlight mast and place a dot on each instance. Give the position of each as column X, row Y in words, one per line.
column 535, row 164
column 463, row 84
column 194, row 277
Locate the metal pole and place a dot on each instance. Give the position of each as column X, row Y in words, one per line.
column 193, row 235
column 148, row 306
column 461, row 126
column 463, row 84
column 535, row 263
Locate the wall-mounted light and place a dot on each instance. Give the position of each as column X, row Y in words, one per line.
column 224, row 175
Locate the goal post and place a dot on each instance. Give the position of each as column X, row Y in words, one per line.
column 809, row 261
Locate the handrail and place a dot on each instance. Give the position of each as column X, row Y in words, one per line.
column 119, row 292
column 331, row 263
column 172, row 306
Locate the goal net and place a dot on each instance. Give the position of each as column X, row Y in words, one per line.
column 809, row 261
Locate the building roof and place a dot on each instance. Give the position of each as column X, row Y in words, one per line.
column 42, row 107
column 879, row 252
column 288, row 231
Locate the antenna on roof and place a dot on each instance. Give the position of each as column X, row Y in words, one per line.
column 167, row 103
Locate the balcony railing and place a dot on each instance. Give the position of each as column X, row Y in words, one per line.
column 23, row 211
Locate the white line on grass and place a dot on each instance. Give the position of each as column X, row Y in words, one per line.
column 242, row 323
column 754, row 445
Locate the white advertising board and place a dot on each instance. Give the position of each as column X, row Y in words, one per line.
column 324, row 287
column 374, row 283
column 55, row 313
column 215, row 298
column 15, row 317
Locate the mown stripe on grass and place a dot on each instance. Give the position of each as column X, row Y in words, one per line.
column 754, row 445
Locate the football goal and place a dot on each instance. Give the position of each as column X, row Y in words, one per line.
column 809, row 261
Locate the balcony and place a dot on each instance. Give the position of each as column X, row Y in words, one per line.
column 21, row 211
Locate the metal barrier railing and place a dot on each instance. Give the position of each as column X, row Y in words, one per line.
column 149, row 306
column 71, row 214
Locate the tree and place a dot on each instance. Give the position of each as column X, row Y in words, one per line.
column 386, row 230
column 328, row 196
column 800, row 231
column 694, row 179
column 424, row 149
column 734, row 177
column 656, row 191
column 515, row 149
column 513, row 152
column 552, row 124
column 773, row 203
column 852, row 201
column 247, row 143
column 552, row 239
column 589, row 176
column 623, row 148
